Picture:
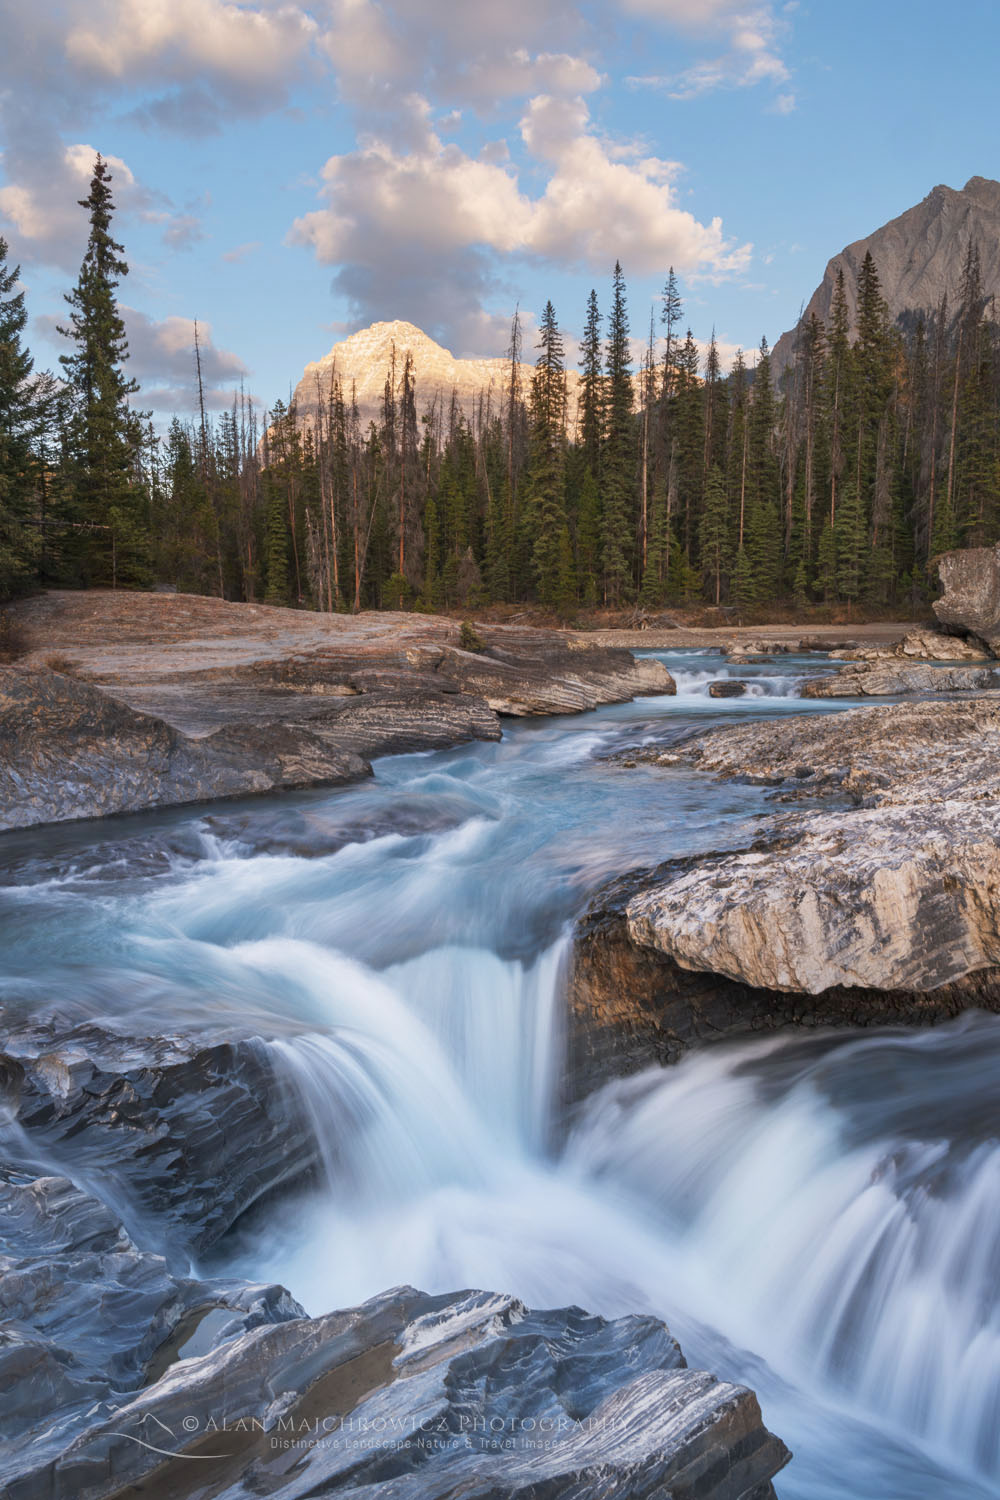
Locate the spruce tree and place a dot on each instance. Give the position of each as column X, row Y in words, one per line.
column 545, row 486
column 24, row 407
column 591, row 418
column 105, row 435
column 618, row 454
column 714, row 532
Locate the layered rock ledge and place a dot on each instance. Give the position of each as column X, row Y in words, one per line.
column 887, row 910
column 130, row 1375
column 119, row 702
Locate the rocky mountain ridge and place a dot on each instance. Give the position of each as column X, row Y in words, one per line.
column 919, row 256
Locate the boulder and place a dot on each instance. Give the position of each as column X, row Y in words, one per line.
column 970, row 604
column 630, row 1006
column 419, row 1397
column 724, row 689
column 87, row 1314
column 738, row 649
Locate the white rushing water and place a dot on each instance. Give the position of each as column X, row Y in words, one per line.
column 818, row 1216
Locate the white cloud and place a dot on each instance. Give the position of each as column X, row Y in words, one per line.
column 45, row 217
column 750, row 35
column 161, row 358
column 237, row 47
column 394, row 220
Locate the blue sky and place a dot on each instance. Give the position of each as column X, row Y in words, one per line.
column 287, row 172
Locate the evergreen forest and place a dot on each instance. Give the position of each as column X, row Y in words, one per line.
column 666, row 482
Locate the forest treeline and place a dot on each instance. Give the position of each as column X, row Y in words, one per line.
column 671, row 484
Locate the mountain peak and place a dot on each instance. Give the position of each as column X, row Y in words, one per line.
column 919, row 256
column 364, row 360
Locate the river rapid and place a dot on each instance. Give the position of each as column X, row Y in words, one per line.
column 817, row 1216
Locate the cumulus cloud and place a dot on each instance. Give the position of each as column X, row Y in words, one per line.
column 416, row 227
column 198, row 63
column 161, row 358
column 750, row 36
column 44, row 218
column 470, row 54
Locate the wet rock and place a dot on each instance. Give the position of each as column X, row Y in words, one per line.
column 970, row 604
column 420, row 1397
column 631, row 1006
column 890, row 678
column 186, row 1132
column 738, row 649
column 723, row 689
column 86, row 1313
column 891, row 754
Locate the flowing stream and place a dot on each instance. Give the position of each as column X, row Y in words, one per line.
column 815, row 1215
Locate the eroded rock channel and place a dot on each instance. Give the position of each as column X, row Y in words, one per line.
column 262, row 1062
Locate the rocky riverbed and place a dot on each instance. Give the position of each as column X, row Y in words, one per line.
column 116, row 701
column 128, row 1157
column 886, row 909
column 128, row 1370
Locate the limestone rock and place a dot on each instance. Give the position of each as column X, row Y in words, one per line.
column 741, row 648
column 890, row 678
column 421, row 1397
column 724, row 689
column 892, row 899
column 129, row 1111
column 901, row 896
column 87, row 1313
column 161, row 699
column 922, row 645
column 893, row 754
column 631, row 1007
column 919, row 256
column 971, row 600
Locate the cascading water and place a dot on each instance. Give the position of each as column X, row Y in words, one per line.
column 828, row 1203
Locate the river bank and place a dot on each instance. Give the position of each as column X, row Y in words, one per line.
column 382, row 967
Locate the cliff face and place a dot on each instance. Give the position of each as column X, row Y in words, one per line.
column 919, row 256
column 365, row 359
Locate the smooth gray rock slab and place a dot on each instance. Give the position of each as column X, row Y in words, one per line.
column 417, row 1397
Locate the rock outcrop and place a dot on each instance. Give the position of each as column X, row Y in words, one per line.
column 890, row 679
column 632, row 1006
column 886, row 911
column 924, row 645
column 88, row 1316
column 421, row 1397
column 127, row 701
column 919, row 256
column 904, row 899
column 186, row 1131
column 124, row 1371
column 970, row 604
column 919, row 753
